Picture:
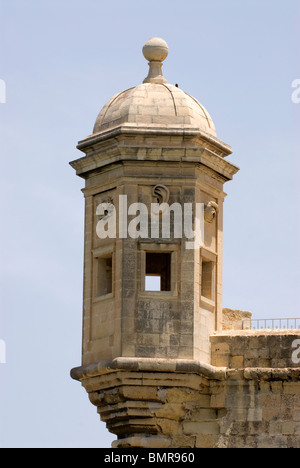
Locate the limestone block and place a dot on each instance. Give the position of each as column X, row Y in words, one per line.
column 201, row 428
column 288, row 428
column 143, row 441
column 176, row 394
column 296, row 416
column 183, row 441
column 254, row 414
column 206, row 441
column 237, row 362
column 175, row 409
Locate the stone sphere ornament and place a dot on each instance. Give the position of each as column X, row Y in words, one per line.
column 156, row 50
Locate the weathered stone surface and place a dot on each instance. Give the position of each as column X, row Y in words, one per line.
column 254, row 348
column 236, row 319
column 171, row 368
column 249, row 408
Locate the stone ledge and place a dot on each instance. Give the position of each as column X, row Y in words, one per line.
column 267, row 374
column 148, row 365
column 156, row 130
column 184, row 367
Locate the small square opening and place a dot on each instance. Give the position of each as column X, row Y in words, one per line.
column 104, row 278
column 158, row 272
column 153, row 283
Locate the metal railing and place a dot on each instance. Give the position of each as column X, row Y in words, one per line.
column 272, row 324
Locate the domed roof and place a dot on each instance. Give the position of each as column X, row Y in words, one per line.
column 155, row 103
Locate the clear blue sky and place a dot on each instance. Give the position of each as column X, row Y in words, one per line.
column 61, row 61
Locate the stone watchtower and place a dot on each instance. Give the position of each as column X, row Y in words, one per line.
column 146, row 354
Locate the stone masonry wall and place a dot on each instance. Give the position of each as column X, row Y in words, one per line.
column 245, row 411
column 262, row 409
column 160, row 403
column 254, row 348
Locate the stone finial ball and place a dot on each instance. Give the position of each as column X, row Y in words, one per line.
column 156, row 50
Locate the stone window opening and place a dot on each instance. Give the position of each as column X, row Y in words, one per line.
column 104, row 276
column 208, row 279
column 158, row 272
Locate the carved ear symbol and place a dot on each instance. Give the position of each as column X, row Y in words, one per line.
column 210, row 211
column 161, row 193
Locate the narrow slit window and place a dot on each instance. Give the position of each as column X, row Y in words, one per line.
column 104, row 283
column 207, row 280
column 158, row 272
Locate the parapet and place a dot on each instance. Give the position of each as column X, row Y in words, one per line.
column 255, row 348
column 234, row 319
